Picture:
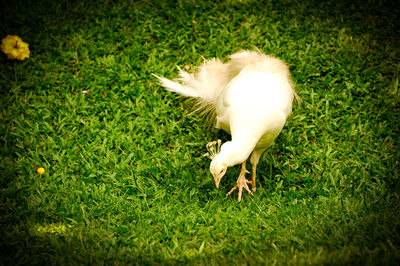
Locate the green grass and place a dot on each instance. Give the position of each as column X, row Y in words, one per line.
column 125, row 179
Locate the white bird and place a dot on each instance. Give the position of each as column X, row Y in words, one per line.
column 250, row 97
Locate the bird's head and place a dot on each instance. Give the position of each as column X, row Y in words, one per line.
column 218, row 170
column 218, row 164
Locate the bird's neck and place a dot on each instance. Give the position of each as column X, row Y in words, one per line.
column 235, row 152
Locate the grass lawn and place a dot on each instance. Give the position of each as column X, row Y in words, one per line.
column 125, row 178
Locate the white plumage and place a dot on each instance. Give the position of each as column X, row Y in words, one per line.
column 250, row 97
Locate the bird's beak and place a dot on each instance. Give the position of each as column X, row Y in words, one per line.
column 217, row 180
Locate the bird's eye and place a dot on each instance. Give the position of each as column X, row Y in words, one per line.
column 222, row 170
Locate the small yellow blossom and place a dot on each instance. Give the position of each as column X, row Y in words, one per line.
column 15, row 48
column 40, row 170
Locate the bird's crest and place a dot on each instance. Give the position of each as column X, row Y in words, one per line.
column 213, row 147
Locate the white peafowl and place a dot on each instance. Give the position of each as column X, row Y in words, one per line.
column 250, row 97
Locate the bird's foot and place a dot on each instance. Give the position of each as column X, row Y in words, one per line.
column 241, row 183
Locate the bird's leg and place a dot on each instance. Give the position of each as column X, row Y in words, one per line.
column 253, row 179
column 241, row 182
column 254, row 158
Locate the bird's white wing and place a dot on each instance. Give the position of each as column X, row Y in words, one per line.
column 253, row 103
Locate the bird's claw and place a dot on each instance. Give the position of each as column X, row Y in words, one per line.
column 241, row 183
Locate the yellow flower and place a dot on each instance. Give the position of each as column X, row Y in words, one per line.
column 40, row 170
column 15, row 48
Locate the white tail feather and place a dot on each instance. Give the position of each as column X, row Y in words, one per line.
column 177, row 87
column 204, row 86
